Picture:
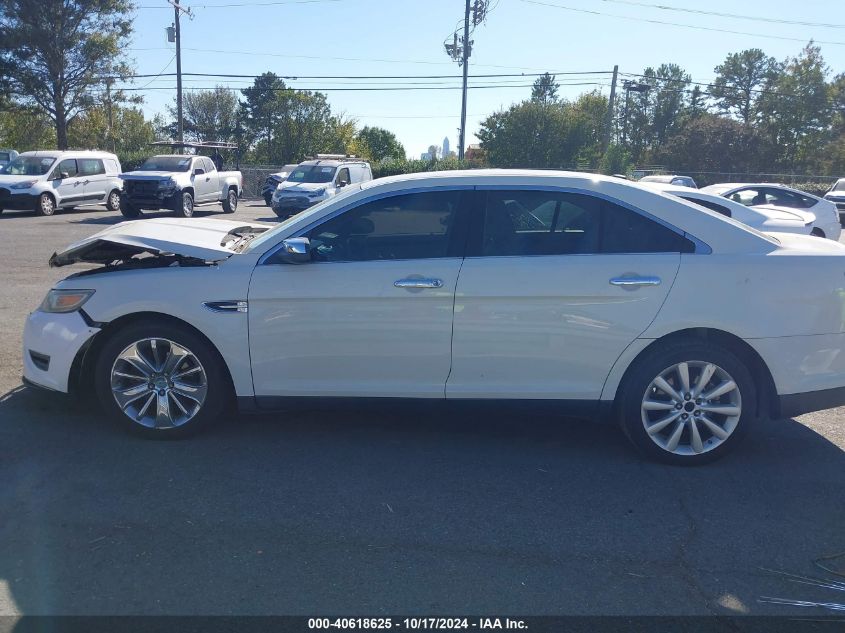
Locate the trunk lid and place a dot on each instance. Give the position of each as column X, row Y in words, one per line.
column 204, row 239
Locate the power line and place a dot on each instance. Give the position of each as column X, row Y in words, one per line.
column 244, row 4
column 372, row 89
column 687, row 26
column 299, row 77
column 776, row 93
column 755, row 18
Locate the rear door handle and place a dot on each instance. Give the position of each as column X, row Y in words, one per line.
column 634, row 282
column 418, row 282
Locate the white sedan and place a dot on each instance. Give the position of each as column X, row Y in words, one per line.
column 767, row 217
column 581, row 292
column 761, row 194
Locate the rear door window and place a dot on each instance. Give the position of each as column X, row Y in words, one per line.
column 90, row 166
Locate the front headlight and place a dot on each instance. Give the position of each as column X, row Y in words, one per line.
column 319, row 192
column 166, row 184
column 23, row 185
column 65, row 300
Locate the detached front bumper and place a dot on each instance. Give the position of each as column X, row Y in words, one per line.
column 163, row 199
column 293, row 204
column 50, row 345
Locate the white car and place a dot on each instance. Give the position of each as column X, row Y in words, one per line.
column 836, row 195
column 680, row 181
column 762, row 194
column 581, row 292
column 768, row 218
column 45, row 181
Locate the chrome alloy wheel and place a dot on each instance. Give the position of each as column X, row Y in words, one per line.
column 187, row 205
column 691, row 407
column 158, row 383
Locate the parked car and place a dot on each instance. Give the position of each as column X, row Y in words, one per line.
column 318, row 180
column 179, row 183
column 588, row 292
column 45, row 181
column 766, row 218
column 836, row 195
column 761, row 194
column 273, row 181
column 6, row 157
column 680, row 181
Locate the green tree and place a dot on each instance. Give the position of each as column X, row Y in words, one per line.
column 131, row 132
column 54, row 52
column 209, row 115
column 25, row 128
column 795, row 109
column 261, row 112
column 379, row 144
column 739, row 81
column 545, row 89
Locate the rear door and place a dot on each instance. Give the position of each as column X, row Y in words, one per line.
column 554, row 287
column 94, row 179
column 371, row 315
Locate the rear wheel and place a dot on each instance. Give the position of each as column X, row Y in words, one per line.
column 687, row 403
column 230, row 204
column 46, row 204
column 113, row 200
column 160, row 380
column 185, row 204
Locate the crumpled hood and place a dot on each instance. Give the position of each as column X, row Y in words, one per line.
column 783, row 213
column 147, row 175
column 204, row 239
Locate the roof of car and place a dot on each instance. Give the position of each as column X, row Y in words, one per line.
column 334, row 161
column 662, row 178
column 55, row 153
column 494, row 174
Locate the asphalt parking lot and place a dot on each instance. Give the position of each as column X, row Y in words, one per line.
column 366, row 513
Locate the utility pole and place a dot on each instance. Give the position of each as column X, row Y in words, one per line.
column 465, row 62
column 608, row 124
column 177, row 10
column 110, row 137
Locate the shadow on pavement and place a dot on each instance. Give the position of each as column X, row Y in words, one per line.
column 400, row 511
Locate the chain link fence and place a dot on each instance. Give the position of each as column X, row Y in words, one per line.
column 254, row 177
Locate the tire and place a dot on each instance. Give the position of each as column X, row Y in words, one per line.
column 230, row 203
column 46, row 204
column 641, row 402
column 129, row 211
column 197, row 396
column 113, row 200
column 185, row 205
column 268, row 199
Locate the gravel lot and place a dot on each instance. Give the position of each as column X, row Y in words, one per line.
column 386, row 512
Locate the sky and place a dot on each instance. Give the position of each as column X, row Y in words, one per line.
column 344, row 38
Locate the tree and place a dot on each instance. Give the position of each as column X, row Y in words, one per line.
column 545, row 89
column 261, row 111
column 210, row 115
column 131, row 132
column 25, row 128
column 795, row 109
column 379, row 144
column 739, row 80
column 52, row 53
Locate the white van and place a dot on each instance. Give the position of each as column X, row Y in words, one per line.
column 45, row 181
column 317, row 180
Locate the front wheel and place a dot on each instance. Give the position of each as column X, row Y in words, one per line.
column 160, row 380
column 230, row 203
column 687, row 403
column 185, row 205
column 128, row 210
column 46, row 204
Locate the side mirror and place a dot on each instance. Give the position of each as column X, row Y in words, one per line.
column 199, row 172
column 342, row 183
column 64, row 175
column 296, row 250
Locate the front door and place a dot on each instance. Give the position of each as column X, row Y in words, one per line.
column 371, row 315
column 553, row 289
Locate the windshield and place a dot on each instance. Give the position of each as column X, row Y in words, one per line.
column 166, row 163
column 29, row 166
column 312, row 173
column 269, row 237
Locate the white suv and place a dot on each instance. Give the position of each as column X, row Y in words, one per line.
column 44, row 181
column 317, row 180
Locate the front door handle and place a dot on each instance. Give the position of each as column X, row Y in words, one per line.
column 634, row 282
column 418, row 282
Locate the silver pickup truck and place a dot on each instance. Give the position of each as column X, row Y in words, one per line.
column 179, row 183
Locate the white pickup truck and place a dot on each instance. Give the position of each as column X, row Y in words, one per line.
column 179, row 183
